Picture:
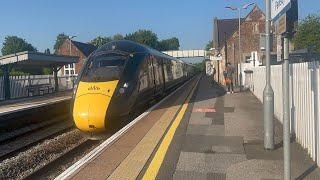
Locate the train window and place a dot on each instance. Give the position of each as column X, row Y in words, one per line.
column 104, row 67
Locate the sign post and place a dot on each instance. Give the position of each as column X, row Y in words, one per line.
column 285, row 15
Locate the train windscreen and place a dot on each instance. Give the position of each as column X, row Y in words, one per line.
column 104, row 67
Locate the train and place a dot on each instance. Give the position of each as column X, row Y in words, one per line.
column 118, row 78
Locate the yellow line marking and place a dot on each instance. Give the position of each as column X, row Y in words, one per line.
column 157, row 160
column 132, row 165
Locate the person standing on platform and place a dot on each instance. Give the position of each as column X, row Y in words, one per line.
column 211, row 72
column 228, row 77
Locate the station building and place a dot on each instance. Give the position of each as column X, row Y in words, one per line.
column 74, row 48
column 226, row 41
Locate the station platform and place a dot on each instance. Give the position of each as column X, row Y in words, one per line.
column 200, row 132
column 22, row 104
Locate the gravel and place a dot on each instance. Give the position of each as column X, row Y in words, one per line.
column 26, row 162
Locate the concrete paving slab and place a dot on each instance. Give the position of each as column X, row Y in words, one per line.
column 214, row 130
column 189, row 175
column 219, row 163
column 203, row 120
column 216, row 176
column 190, row 161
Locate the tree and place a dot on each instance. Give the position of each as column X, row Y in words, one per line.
column 59, row 41
column 209, row 45
column 14, row 44
column 99, row 41
column 117, row 37
column 169, row 44
column 146, row 37
column 47, row 51
column 308, row 34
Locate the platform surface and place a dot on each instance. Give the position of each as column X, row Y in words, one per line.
column 21, row 104
column 200, row 133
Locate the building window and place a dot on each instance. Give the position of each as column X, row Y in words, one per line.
column 66, row 66
column 67, row 72
column 72, row 72
column 71, row 65
column 255, row 28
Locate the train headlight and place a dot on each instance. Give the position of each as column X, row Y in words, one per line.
column 125, row 85
column 121, row 90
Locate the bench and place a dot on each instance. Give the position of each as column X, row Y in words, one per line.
column 39, row 89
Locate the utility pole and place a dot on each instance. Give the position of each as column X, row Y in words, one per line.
column 268, row 94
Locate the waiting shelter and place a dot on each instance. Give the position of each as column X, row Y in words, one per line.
column 30, row 59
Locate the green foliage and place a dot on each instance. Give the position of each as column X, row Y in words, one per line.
column 146, row 37
column 169, row 44
column 47, row 51
column 47, row 71
column 209, row 45
column 117, row 37
column 99, row 41
column 308, row 33
column 59, row 41
column 200, row 65
column 14, row 44
column 18, row 72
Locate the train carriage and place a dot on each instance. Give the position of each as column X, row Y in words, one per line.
column 119, row 77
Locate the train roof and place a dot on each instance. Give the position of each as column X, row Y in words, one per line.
column 133, row 48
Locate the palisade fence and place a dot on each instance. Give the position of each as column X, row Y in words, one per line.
column 304, row 100
column 18, row 84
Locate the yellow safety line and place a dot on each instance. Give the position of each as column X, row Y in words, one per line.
column 157, row 160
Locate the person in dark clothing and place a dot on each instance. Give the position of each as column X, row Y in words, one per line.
column 229, row 77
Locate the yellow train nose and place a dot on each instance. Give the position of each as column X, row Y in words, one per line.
column 90, row 105
column 90, row 111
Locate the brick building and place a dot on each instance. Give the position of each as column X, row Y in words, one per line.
column 226, row 40
column 80, row 49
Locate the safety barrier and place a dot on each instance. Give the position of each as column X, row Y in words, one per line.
column 304, row 100
column 19, row 84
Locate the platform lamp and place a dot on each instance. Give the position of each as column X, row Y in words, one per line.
column 240, row 59
column 73, row 65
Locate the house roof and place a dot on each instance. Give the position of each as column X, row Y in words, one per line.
column 85, row 48
column 227, row 26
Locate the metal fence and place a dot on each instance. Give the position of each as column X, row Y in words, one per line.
column 304, row 100
column 19, row 84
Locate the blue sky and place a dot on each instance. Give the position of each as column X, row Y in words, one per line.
column 191, row 22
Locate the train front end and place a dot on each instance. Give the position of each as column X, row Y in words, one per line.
column 95, row 89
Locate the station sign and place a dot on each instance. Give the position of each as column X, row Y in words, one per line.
column 284, row 14
column 281, row 24
column 278, row 8
column 215, row 58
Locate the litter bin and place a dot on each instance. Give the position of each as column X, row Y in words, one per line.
column 248, row 83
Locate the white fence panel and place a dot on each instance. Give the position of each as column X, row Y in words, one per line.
column 18, row 84
column 304, row 100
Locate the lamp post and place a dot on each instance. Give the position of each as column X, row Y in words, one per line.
column 73, row 65
column 70, row 38
column 240, row 59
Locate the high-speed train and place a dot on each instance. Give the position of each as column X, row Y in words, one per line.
column 119, row 77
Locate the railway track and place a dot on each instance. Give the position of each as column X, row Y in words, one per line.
column 57, row 164
column 22, row 139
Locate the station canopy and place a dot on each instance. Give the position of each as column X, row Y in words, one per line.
column 30, row 59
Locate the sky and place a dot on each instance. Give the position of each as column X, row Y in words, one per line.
column 191, row 21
